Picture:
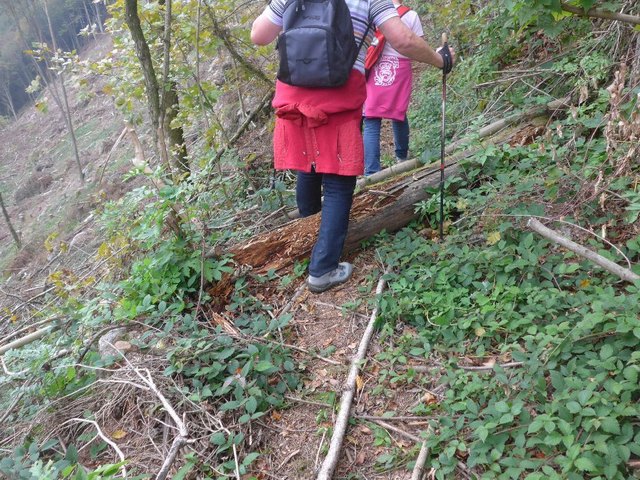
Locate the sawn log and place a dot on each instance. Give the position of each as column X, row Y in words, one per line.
column 389, row 206
column 383, row 206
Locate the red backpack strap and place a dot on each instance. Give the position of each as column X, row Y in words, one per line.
column 402, row 9
column 375, row 50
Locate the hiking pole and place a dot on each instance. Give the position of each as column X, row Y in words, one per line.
column 446, row 68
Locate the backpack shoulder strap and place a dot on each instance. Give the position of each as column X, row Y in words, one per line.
column 402, row 9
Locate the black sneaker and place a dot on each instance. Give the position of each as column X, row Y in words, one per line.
column 330, row 279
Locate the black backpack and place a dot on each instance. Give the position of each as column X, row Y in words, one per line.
column 317, row 47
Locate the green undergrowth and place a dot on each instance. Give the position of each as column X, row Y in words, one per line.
column 491, row 293
column 495, row 293
column 155, row 284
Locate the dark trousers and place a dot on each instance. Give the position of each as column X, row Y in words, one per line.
column 334, row 223
column 371, row 137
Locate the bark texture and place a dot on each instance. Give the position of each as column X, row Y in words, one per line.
column 5, row 213
column 144, row 57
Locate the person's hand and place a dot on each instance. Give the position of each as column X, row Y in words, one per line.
column 448, row 55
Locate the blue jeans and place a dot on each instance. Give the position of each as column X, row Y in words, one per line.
column 371, row 139
column 334, row 222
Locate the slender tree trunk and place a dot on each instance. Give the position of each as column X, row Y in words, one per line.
column 163, row 102
column 144, row 57
column 170, row 105
column 66, row 110
column 6, row 93
column 76, row 43
column 595, row 13
column 14, row 234
column 176, row 133
column 98, row 17
column 89, row 22
column 86, row 13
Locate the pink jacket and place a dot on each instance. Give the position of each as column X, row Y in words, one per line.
column 321, row 127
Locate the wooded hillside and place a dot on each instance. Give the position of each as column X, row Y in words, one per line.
column 24, row 27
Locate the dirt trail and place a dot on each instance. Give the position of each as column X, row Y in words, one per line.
column 295, row 440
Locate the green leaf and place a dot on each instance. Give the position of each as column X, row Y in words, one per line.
column 585, row 465
column 248, row 460
column 263, row 366
column 506, row 418
column 251, row 405
column 631, row 373
column 584, row 396
column 81, row 474
column 535, row 426
column 482, row 432
column 606, row 351
column 182, row 473
column 218, row 438
column 573, row 406
column 72, row 454
column 610, row 425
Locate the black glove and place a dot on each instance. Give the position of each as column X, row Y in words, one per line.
column 446, row 59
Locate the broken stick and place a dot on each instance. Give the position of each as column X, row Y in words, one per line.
column 418, row 469
column 340, row 428
column 605, row 263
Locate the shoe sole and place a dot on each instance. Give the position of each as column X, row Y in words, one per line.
column 319, row 289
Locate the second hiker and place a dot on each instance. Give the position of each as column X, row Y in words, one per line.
column 389, row 86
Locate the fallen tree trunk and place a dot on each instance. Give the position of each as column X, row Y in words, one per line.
column 390, row 208
column 386, row 206
column 27, row 339
column 595, row 13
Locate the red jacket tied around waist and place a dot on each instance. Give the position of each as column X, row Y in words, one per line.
column 320, row 127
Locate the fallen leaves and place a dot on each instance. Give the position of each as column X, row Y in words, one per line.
column 429, row 398
column 493, row 238
column 118, row 434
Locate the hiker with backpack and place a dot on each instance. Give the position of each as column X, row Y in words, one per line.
column 318, row 102
column 389, row 84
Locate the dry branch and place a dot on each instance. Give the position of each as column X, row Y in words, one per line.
column 27, row 339
column 402, row 418
column 7, row 219
column 113, row 147
column 418, row 469
column 106, row 439
column 608, row 265
column 264, row 103
column 482, row 368
column 410, row 436
column 349, row 390
column 182, row 437
column 595, row 13
column 399, row 431
column 15, row 402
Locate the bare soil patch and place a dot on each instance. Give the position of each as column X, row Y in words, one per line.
column 294, row 440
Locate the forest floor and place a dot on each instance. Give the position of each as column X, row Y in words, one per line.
column 296, row 439
column 50, row 207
